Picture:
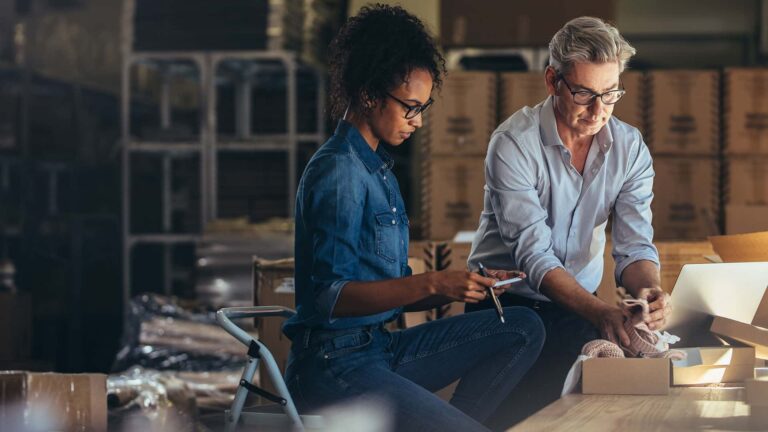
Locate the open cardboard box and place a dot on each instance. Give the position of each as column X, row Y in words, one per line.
column 654, row 376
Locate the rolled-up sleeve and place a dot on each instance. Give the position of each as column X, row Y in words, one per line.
column 511, row 181
column 335, row 202
column 632, row 233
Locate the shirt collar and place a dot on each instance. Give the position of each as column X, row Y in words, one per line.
column 373, row 161
column 550, row 137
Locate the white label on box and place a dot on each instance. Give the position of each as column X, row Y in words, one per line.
column 286, row 286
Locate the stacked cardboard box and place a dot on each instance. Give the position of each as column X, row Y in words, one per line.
column 454, row 142
column 686, row 191
column 631, row 108
column 521, row 89
column 746, row 150
column 683, row 133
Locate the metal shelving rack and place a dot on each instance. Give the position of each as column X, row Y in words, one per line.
column 208, row 144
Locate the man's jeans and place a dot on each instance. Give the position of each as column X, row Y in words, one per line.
column 403, row 368
column 566, row 335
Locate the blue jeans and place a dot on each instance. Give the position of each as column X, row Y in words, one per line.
column 404, row 368
column 566, row 335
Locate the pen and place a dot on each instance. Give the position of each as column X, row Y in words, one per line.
column 496, row 303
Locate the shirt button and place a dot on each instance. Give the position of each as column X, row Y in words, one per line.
column 394, row 209
column 393, row 222
column 385, row 177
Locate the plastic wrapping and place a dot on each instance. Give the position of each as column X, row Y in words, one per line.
column 143, row 399
column 160, row 334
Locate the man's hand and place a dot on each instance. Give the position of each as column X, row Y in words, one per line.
column 609, row 320
column 659, row 307
column 504, row 275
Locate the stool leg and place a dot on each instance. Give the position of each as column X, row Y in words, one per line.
column 237, row 405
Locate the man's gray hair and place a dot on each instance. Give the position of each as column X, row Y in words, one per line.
column 588, row 40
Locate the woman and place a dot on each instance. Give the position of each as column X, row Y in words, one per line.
column 351, row 255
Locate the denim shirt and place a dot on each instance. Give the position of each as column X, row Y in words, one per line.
column 540, row 213
column 350, row 226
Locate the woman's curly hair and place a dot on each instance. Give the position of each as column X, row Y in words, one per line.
column 374, row 52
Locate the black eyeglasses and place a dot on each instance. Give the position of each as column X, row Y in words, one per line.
column 412, row 111
column 587, row 97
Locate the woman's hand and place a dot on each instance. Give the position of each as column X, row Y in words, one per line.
column 462, row 286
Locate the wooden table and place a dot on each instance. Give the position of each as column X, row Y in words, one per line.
column 684, row 409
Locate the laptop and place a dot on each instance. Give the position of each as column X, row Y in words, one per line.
column 730, row 290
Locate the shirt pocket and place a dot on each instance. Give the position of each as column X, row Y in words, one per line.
column 387, row 236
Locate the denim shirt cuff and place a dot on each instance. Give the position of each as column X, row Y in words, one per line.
column 327, row 299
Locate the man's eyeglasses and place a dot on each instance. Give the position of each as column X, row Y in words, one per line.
column 412, row 111
column 587, row 97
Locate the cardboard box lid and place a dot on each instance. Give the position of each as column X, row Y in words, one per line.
column 752, row 247
column 55, row 401
column 744, row 333
column 628, row 376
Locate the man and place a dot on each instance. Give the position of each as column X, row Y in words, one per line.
column 554, row 174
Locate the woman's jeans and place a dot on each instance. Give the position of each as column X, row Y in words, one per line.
column 401, row 370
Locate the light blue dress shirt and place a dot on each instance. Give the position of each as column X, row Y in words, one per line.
column 539, row 213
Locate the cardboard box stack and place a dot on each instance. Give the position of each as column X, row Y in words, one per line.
column 454, row 142
column 746, row 150
column 683, row 134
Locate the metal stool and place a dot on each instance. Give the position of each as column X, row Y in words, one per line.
column 268, row 416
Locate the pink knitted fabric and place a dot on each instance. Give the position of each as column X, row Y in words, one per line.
column 642, row 341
